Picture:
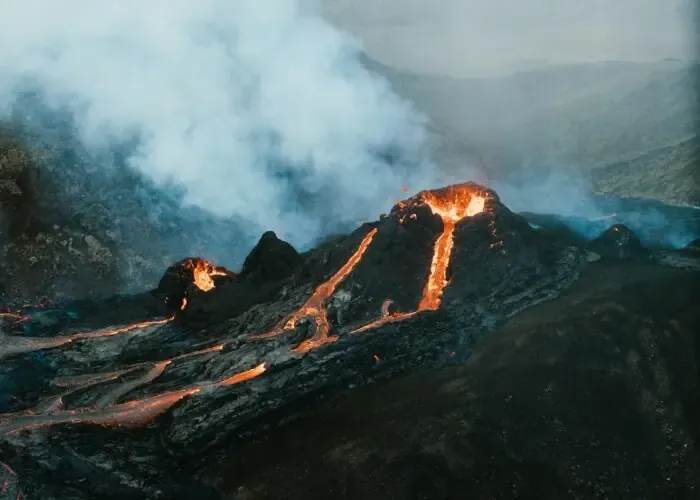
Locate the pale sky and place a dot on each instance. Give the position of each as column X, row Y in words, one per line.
column 455, row 35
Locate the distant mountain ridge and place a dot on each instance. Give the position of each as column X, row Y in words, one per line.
column 621, row 121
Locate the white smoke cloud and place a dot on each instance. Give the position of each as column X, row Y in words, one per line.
column 213, row 87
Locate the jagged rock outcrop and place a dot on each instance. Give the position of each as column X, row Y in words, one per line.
column 271, row 259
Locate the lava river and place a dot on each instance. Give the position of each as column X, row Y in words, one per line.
column 451, row 204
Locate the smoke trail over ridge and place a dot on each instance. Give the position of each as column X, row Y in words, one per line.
column 257, row 108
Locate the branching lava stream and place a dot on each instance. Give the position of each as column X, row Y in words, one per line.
column 451, row 204
column 129, row 414
column 314, row 307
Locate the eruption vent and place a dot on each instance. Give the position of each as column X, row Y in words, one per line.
column 451, row 204
column 179, row 278
column 204, row 273
column 132, row 413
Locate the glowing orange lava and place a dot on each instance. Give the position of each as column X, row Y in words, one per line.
column 203, row 275
column 314, row 307
column 452, row 204
column 10, row 344
column 80, row 382
column 129, row 414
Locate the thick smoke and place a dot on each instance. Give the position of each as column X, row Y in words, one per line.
column 258, row 108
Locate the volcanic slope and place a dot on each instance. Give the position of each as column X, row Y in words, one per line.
column 227, row 355
column 595, row 394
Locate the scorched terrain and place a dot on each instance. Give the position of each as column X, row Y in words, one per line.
column 451, row 349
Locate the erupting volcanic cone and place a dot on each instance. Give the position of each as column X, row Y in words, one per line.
column 187, row 276
column 451, row 204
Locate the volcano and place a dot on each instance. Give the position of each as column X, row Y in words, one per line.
column 450, row 348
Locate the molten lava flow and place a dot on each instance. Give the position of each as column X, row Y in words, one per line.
column 314, row 307
column 204, row 273
column 129, row 414
column 452, row 204
column 10, row 345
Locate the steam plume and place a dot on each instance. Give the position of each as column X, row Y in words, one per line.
column 249, row 104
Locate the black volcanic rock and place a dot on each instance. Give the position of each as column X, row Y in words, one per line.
column 228, row 367
column 618, row 242
column 270, row 260
column 592, row 395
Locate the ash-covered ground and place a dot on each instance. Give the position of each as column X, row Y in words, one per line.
column 452, row 348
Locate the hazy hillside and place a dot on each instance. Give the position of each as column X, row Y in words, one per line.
column 667, row 173
column 625, row 118
column 468, row 38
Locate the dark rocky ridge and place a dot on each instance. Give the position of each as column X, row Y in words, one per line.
column 500, row 267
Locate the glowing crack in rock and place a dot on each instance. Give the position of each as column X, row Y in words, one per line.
column 314, row 307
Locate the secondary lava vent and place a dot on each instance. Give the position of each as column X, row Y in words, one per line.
column 190, row 276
